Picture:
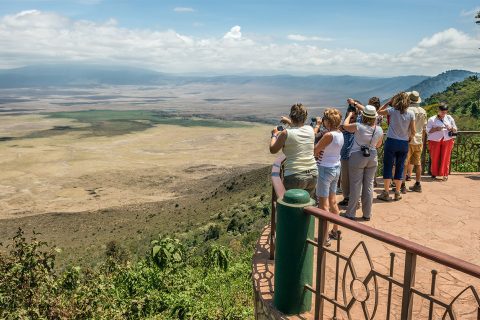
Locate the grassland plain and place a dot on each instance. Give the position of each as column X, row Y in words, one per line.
column 81, row 184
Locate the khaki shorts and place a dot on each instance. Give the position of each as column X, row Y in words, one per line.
column 414, row 154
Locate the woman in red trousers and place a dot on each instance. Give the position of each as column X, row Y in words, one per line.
column 441, row 131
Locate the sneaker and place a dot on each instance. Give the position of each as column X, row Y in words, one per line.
column 345, row 216
column 384, row 196
column 366, row 218
column 398, row 196
column 403, row 189
column 344, row 202
column 417, row 187
column 334, row 235
column 408, row 178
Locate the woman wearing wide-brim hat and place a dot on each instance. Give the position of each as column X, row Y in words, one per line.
column 363, row 161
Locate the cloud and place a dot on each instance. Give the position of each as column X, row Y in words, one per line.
column 35, row 37
column 299, row 37
column 234, row 33
column 183, row 9
column 470, row 13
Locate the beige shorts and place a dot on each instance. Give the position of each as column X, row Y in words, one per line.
column 414, row 154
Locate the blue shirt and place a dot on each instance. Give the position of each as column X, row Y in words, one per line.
column 347, row 145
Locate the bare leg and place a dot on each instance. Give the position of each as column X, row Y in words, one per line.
column 386, row 184
column 398, row 184
column 332, row 200
column 418, row 173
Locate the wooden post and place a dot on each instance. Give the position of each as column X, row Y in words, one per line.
column 408, row 283
column 321, row 257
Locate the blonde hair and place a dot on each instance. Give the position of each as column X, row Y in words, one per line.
column 368, row 120
column 333, row 117
column 401, row 101
column 298, row 113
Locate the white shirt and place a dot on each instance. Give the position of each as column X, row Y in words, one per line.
column 434, row 122
column 331, row 155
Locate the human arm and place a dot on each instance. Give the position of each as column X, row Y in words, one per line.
column 278, row 140
column 431, row 128
column 317, row 127
column 453, row 126
column 383, row 111
column 411, row 129
column 347, row 126
column 286, row 120
column 323, row 143
column 356, row 104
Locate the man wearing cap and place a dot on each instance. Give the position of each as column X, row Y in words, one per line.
column 415, row 146
column 441, row 131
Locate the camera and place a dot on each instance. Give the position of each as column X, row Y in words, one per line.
column 365, row 151
column 452, row 134
column 351, row 108
column 280, row 128
column 313, row 122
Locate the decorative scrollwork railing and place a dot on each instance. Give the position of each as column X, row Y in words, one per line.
column 351, row 290
column 465, row 154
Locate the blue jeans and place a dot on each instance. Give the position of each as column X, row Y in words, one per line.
column 327, row 181
column 395, row 153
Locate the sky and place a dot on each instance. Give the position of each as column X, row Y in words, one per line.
column 371, row 37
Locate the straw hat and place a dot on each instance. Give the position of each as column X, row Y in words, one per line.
column 414, row 97
column 370, row 111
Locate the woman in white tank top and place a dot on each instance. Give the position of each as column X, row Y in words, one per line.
column 327, row 151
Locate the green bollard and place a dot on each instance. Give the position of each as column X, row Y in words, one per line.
column 293, row 256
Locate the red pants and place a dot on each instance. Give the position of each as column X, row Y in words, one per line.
column 440, row 152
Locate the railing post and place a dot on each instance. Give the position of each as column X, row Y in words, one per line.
column 408, row 283
column 273, row 225
column 293, row 255
column 320, row 272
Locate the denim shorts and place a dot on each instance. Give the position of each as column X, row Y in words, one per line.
column 327, row 180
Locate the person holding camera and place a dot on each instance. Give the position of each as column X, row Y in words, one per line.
column 363, row 162
column 441, row 131
column 296, row 142
column 400, row 131
column 329, row 165
column 345, row 152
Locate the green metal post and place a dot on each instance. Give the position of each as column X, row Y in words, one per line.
column 293, row 256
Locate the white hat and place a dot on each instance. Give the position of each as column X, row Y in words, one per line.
column 370, row 111
column 414, row 97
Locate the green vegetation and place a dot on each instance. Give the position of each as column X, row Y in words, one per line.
column 463, row 99
column 117, row 122
column 192, row 276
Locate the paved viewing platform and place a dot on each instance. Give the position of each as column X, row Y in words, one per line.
column 444, row 217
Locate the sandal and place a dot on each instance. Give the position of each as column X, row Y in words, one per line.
column 334, row 235
column 384, row 196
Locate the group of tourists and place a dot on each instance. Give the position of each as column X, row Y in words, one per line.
column 330, row 152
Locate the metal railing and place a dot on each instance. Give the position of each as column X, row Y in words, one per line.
column 344, row 298
column 465, row 154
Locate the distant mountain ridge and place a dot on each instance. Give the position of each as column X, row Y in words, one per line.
column 439, row 83
column 330, row 90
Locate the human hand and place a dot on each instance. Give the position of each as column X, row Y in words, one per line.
column 285, row 120
column 275, row 131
